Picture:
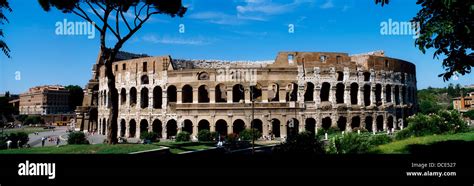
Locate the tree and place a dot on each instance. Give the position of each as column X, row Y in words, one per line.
column 76, row 96
column 3, row 19
column 447, row 26
column 115, row 10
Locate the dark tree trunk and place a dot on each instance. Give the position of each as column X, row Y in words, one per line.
column 113, row 104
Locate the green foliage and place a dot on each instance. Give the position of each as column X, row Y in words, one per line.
column 19, row 136
column 440, row 123
column 469, row 114
column 231, row 138
column 247, row 134
column 77, row 138
column 350, row 143
column 214, row 135
column 3, row 142
column 303, row 143
column 379, row 139
column 33, row 120
column 4, row 7
column 151, row 136
column 76, row 96
column 183, row 136
column 204, row 135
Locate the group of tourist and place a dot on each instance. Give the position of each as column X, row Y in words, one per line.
column 51, row 140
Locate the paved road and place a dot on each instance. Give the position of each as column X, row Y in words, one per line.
column 35, row 140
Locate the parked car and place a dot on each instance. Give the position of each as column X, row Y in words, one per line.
column 49, row 127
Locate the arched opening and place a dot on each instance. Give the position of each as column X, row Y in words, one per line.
column 171, row 94
column 157, row 97
column 144, row 80
column 171, row 129
column 221, row 93
column 104, row 126
column 292, row 126
column 157, row 128
column 310, row 125
column 309, row 92
column 366, row 95
column 256, row 93
column 273, row 92
column 123, row 96
column 291, row 92
column 368, row 123
column 388, row 93
column 340, row 93
column 366, row 76
column 354, row 93
column 238, row 93
column 122, row 128
column 105, row 97
column 326, row 123
column 143, row 126
column 275, row 128
column 404, row 93
column 133, row 96
column 342, row 123
column 378, row 94
column 238, row 126
column 355, row 122
column 397, row 95
column 257, row 125
column 203, row 94
column 133, row 128
column 144, row 98
column 324, row 96
column 340, row 76
column 187, row 94
column 221, row 127
column 204, row 125
column 390, row 122
column 188, row 126
column 379, row 123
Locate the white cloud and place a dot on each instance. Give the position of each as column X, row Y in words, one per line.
column 261, row 9
column 173, row 40
column 217, row 18
column 327, row 4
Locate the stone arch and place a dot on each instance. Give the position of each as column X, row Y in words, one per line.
column 340, row 93
column 368, row 123
column 340, row 76
column 273, row 92
column 143, row 126
column 354, row 93
column 132, row 128
column 221, row 127
column 203, row 94
column 397, row 95
column 188, row 126
column 275, row 126
column 123, row 96
column 144, row 80
column 378, row 94
column 104, row 126
column 238, row 93
column 133, row 96
column 144, row 98
column 204, row 125
column 291, row 92
column 310, row 125
column 122, row 128
column 171, row 93
column 258, row 125
column 367, row 95
column 187, row 94
column 157, row 97
column 256, row 92
column 324, row 95
column 366, row 76
column 404, row 93
column 238, row 126
column 379, row 123
column 342, row 123
column 157, row 127
column 309, row 92
column 355, row 123
column 326, row 123
column 390, row 122
column 221, row 93
column 388, row 93
column 171, row 128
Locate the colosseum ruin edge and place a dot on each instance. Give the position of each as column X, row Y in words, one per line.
column 298, row 91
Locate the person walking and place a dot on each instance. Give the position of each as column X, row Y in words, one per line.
column 9, row 144
column 43, row 139
column 58, row 141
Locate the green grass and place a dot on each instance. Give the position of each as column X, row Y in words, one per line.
column 180, row 147
column 400, row 147
column 83, row 149
column 27, row 130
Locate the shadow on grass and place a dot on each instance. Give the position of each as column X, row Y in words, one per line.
column 444, row 147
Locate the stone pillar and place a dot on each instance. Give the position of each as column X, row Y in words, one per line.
column 347, row 94
column 212, row 95
column 348, row 124
column 127, row 129
column 164, row 131
column 282, row 94
column 229, row 95
column 332, row 95
column 265, row 127
column 392, row 90
column 229, row 128
column 372, row 95
column 247, row 95
column 360, row 96
column 179, row 96
column 264, row 95
column 374, row 123
column 385, row 125
column 283, row 132
column 196, row 94
column 195, row 130
column 382, row 94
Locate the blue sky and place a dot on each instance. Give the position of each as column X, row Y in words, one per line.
column 228, row 30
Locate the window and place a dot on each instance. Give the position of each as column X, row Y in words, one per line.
column 323, row 58
column 338, row 59
column 386, row 63
column 124, row 67
column 116, row 67
column 144, row 67
column 291, row 59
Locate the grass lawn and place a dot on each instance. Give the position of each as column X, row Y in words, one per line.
column 180, row 147
column 401, row 146
column 27, row 130
column 83, row 149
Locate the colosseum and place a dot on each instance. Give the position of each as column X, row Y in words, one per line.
column 298, row 91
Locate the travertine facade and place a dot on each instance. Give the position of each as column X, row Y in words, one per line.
column 45, row 100
column 298, row 91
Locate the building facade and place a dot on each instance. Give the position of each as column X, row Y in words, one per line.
column 45, row 100
column 298, row 91
column 464, row 103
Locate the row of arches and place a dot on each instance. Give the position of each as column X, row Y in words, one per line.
column 401, row 94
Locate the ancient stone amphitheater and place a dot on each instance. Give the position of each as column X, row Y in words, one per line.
column 298, row 91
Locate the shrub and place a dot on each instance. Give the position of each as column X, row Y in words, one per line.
column 205, row 135
column 183, row 136
column 77, row 138
column 379, row 139
column 214, row 135
column 470, row 114
column 231, row 138
column 3, row 142
column 33, row 120
column 350, row 143
column 248, row 133
column 362, row 130
column 303, row 142
column 19, row 136
column 149, row 136
column 330, row 131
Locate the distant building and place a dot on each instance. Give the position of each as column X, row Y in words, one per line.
column 464, row 103
column 45, row 100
